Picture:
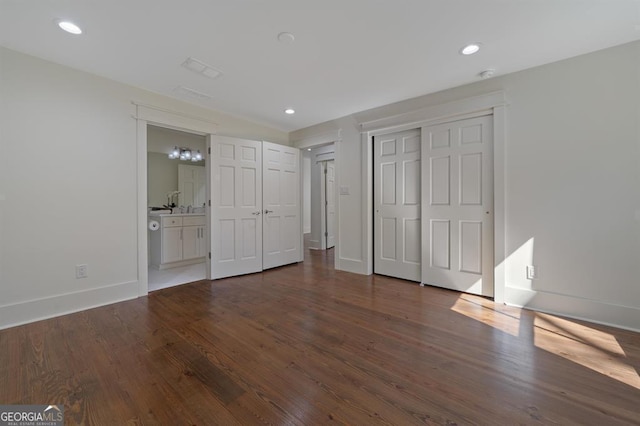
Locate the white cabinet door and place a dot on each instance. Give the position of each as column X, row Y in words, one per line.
column 458, row 208
column 281, row 205
column 202, row 242
column 190, row 242
column 397, row 205
column 236, row 206
column 171, row 244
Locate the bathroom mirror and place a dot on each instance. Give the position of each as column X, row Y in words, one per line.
column 191, row 184
column 164, row 175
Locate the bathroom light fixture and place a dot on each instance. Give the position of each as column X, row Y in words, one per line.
column 470, row 49
column 289, row 111
column 185, row 154
column 69, row 27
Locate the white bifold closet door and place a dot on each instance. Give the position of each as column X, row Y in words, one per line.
column 457, row 214
column 236, row 206
column 255, row 206
column 397, row 205
column 281, row 205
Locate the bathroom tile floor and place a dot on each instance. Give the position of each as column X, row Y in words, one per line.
column 176, row 276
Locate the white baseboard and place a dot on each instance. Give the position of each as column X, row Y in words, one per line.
column 595, row 311
column 351, row 265
column 48, row 307
column 315, row 244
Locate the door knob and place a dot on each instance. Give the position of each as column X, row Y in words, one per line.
column 268, row 211
column 256, row 213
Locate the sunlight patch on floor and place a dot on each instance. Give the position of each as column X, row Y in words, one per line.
column 483, row 310
column 589, row 347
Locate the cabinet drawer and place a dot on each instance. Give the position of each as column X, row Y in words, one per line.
column 171, row 221
column 193, row 220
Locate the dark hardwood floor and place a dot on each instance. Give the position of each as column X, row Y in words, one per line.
column 304, row 344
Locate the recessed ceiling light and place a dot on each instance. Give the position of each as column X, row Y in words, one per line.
column 70, row 27
column 308, row 149
column 470, row 49
column 289, row 111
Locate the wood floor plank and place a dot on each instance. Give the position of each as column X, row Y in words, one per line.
column 305, row 344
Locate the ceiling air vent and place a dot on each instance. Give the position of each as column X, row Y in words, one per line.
column 201, row 68
column 192, row 93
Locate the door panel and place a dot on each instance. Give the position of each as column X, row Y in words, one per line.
column 397, row 181
column 236, row 206
column 281, row 205
column 458, row 182
column 330, row 189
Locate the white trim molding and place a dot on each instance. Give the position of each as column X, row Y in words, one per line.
column 49, row 307
column 596, row 311
column 148, row 114
column 318, row 139
column 174, row 119
column 436, row 113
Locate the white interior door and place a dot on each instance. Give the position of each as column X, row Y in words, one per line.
column 330, row 203
column 281, row 205
column 458, row 212
column 236, row 206
column 397, row 205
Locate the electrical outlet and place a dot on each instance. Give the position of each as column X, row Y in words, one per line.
column 532, row 272
column 82, row 271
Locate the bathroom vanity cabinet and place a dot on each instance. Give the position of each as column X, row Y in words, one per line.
column 180, row 241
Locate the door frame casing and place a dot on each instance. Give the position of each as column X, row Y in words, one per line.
column 335, row 137
column 493, row 104
column 325, row 201
column 148, row 114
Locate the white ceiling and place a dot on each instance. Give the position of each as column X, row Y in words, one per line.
column 348, row 55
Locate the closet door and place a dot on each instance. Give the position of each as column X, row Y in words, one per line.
column 281, row 205
column 397, row 205
column 236, row 206
column 457, row 213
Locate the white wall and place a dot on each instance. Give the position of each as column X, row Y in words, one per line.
column 75, row 201
column 572, row 173
column 306, row 192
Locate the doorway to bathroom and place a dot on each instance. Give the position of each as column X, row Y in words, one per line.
column 176, row 196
